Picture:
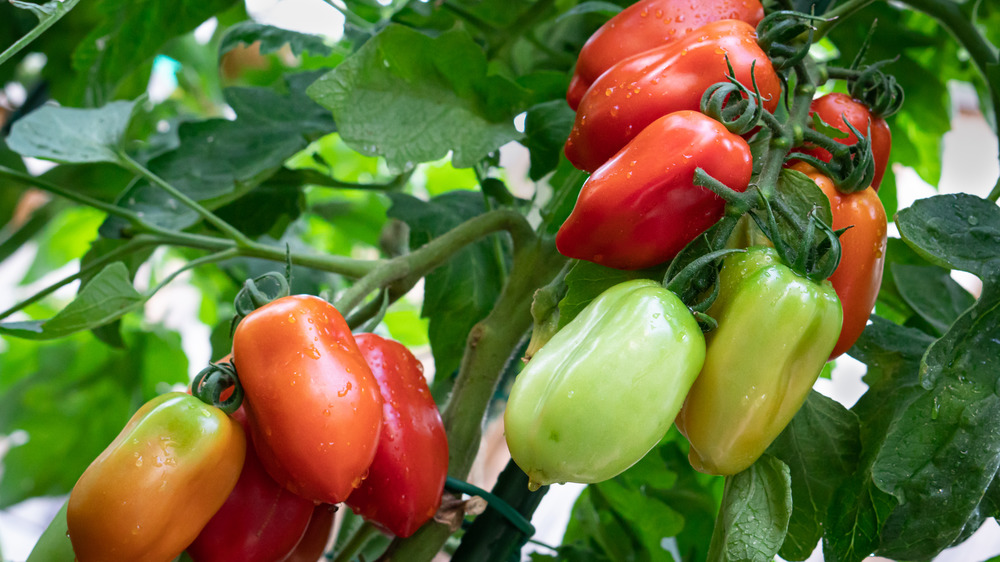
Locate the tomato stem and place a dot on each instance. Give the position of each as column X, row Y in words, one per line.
column 357, row 542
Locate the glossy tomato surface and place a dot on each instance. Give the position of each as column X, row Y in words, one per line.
column 649, row 24
column 261, row 521
column 642, row 88
column 148, row 495
column 833, row 108
column 862, row 254
column 642, row 207
column 312, row 403
column 406, row 479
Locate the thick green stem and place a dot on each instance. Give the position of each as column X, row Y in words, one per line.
column 784, row 139
column 229, row 230
column 422, row 261
column 43, row 25
column 108, row 208
column 488, row 349
column 358, row 540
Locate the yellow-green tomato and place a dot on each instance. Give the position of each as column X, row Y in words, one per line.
column 605, row 389
column 148, row 495
column 776, row 331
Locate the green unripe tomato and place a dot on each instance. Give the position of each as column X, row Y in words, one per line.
column 606, row 388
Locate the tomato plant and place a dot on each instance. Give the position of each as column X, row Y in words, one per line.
column 412, row 169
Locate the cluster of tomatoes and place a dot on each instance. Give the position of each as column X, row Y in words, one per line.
column 326, row 417
column 637, row 90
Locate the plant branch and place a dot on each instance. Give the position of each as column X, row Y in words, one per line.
column 229, row 230
column 132, row 246
column 357, row 542
column 108, row 208
column 62, row 8
column 316, row 178
column 422, row 261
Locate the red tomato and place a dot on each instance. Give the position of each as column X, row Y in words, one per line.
column 832, row 108
column 313, row 543
column 642, row 207
column 406, row 479
column 641, row 89
column 313, row 406
column 260, row 522
column 649, row 24
column 862, row 254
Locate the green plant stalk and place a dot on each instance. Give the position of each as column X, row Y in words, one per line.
column 984, row 54
column 842, row 11
column 783, row 137
column 357, row 542
column 487, row 350
column 229, row 230
column 132, row 246
column 423, row 260
column 42, row 27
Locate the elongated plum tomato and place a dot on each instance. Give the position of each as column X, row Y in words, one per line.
column 642, row 207
column 260, row 522
column 649, row 24
column 776, row 330
column 312, row 403
column 606, row 388
column 405, row 481
column 313, row 542
column 148, row 495
column 862, row 254
column 833, row 108
column 640, row 89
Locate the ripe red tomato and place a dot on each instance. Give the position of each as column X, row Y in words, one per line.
column 649, row 24
column 862, row 254
column 833, row 108
column 642, row 207
column 313, row 406
column 313, row 543
column 641, row 89
column 260, row 522
column 406, row 479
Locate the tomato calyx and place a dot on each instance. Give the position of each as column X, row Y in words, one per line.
column 211, row 383
column 813, row 251
column 779, row 34
column 733, row 104
column 851, row 167
column 251, row 297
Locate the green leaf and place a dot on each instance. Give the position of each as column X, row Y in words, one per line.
column 220, row 160
column 586, row 280
column 129, row 34
column 546, row 128
column 821, row 447
column 955, row 231
column 890, row 303
column 272, row 39
column 461, row 292
column 932, row 294
column 565, row 184
column 107, row 297
column 756, row 507
column 947, row 436
column 70, row 135
column 412, row 98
